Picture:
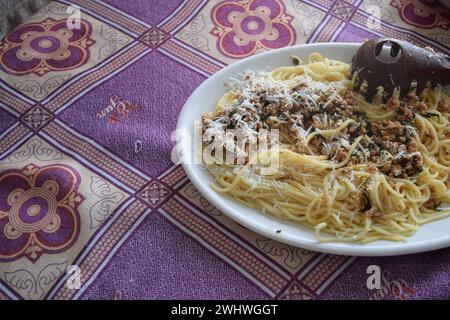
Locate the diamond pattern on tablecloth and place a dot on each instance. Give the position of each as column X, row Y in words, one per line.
column 154, row 37
column 154, row 193
column 342, row 10
column 36, row 117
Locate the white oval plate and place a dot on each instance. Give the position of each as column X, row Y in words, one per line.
column 431, row 236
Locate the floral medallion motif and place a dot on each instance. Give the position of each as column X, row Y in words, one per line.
column 47, row 46
column 246, row 27
column 38, row 211
column 425, row 14
column 154, row 193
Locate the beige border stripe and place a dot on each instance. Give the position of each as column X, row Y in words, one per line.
column 174, row 176
column 95, row 156
column 323, row 270
column 13, row 137
column 112, row 15
column 226, row 246
column 191, row 58
column 104, row 246
column 324, row 3
column 94, row 77
column 360, row 21
column 180, row 16
column 328, row 31
column 13, row 102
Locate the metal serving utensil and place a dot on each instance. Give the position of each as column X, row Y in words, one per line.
column 391, row 64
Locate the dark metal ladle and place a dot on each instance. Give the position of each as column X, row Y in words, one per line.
column 392, row 63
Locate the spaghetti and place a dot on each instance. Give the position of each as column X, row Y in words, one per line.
column 355, row 170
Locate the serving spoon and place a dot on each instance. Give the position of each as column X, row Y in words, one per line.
column 383, row 65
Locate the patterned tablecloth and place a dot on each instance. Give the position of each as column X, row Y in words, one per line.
column 86, row 178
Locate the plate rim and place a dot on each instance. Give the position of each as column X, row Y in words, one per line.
column 220, row 202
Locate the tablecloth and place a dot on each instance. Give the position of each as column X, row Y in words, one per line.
column 91, row 206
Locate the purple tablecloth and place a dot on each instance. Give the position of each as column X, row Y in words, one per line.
column 86, row 178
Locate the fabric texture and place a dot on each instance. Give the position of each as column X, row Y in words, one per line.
column 91, row 206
